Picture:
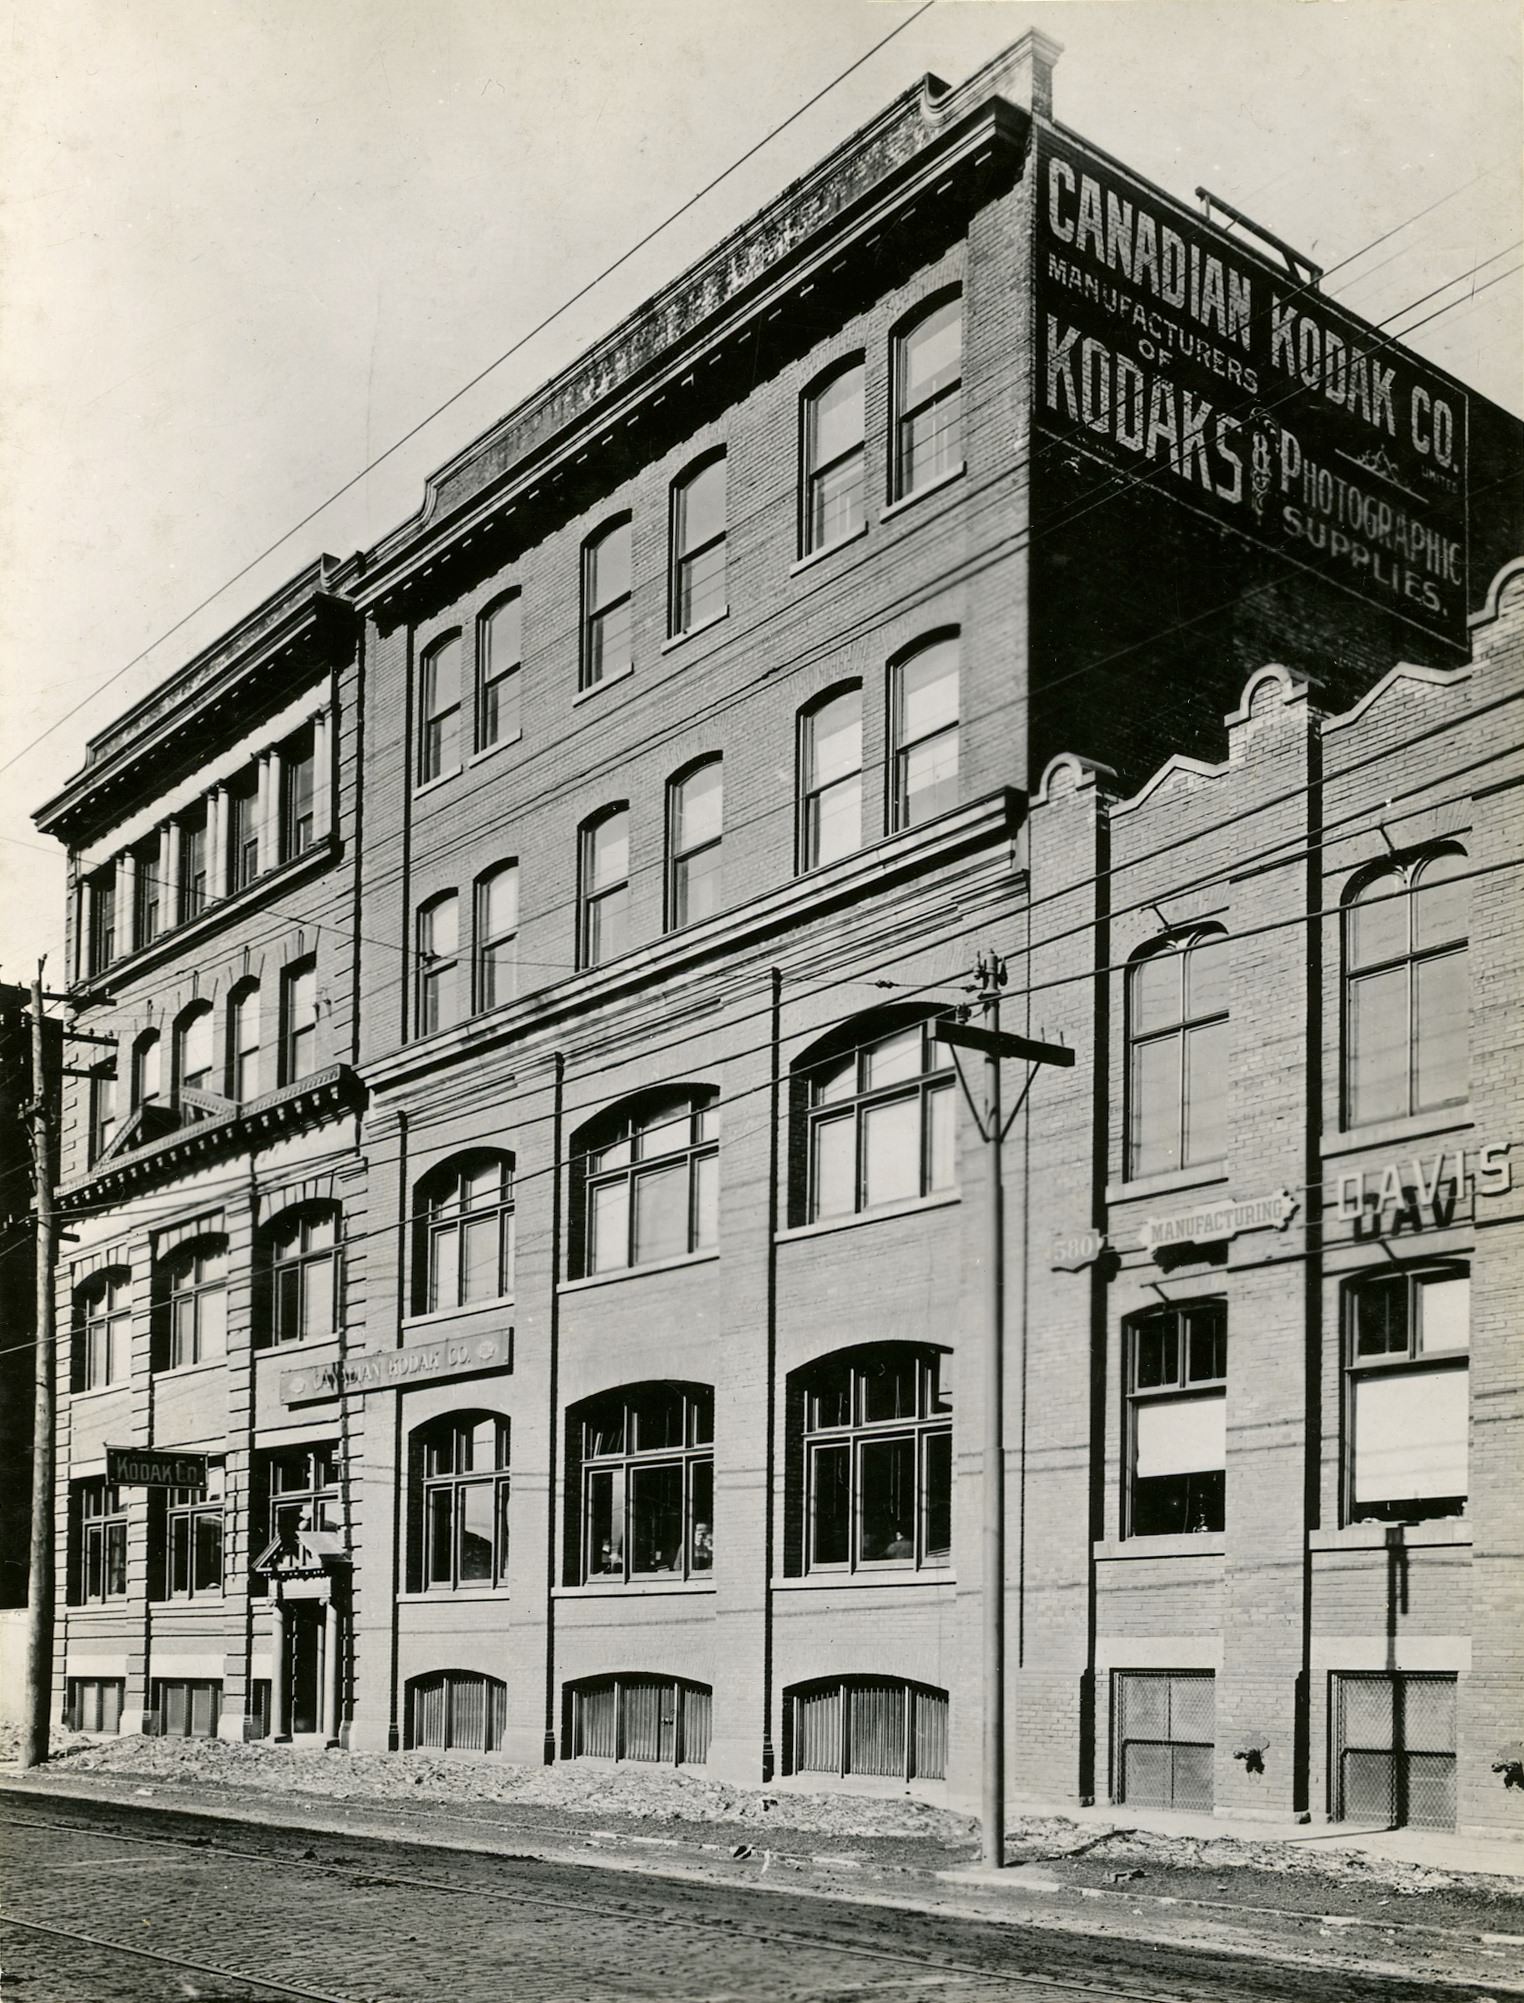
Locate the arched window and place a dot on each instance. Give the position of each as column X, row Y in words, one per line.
column 695, row 828
column 302, row 1248
column 103, row 1109
column 1407, row 990
column 299, row 1021
column 459, row 1524
column 928, row 398
column 438, row 945
column 875, row 1111
column 193, row 1049
column 1408, row 1402
column 1177, row 1054
column 662, row 1719
column 646, row 1181
column 878, row 1725
column 698, row 545
column 603, row 916
column 640, row 1465
column 193, row 1304
column 456, row 1710
column 499, row 680
column 147, row 1069
column 870, row 1453
column 606, row 649
column 243, row 1042
column 495, row 978
column 466, row 1251
column 831, row 777
column 831, row 452
column 439, row 709
column 102, row 1329
column 923, row 717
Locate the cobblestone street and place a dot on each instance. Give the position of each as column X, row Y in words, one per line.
column 136, row 1909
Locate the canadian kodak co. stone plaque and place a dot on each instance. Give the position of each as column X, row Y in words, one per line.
column 1202, row 371
column 395, row 1369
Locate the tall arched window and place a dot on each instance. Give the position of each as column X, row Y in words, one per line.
column 928, row 398
column 831, row 449
column 299, row 1021
column 193, row 1049
column 499, row 680
column 695, row 828
column 603, row 918
column 698, row 545
column 459, row 1525
column 193, row 1304
column 923, row 714
column 874, row 1118
column 606, row 648
column 304, row 1260
column 1407, row 994
column 243, row 1042
column 102, row 1329
column 646, row 1181
column 870, row 1460
column 831, row 777
column 439, row 709
column 1177, row 1054
column 640, row 1463
column 495, row 972
column 465, row 1249
column 147, row 1069
column 438, row 947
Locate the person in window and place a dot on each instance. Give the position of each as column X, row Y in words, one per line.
column 899, row 1545
column 703, row 1548
column 610, row 1557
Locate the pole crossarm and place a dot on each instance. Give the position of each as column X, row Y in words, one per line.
column 1002, row 1043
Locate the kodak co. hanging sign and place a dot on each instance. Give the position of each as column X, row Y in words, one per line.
column 1204, row 373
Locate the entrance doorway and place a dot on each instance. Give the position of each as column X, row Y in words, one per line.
column 304, row 1662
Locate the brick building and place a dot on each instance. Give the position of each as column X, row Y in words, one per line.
column 533, row 1176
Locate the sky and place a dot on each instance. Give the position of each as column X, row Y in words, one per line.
column 247, row 245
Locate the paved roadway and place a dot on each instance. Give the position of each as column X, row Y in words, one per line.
column 113, row 1905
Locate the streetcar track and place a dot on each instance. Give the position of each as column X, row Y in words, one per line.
column 361, row 1874
column 173, row 1960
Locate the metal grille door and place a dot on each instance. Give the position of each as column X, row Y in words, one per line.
column 1395, row 1750
column 697, row 1709
column 1166, row 1734
column 876, row 1728
column 930, row 1734
column 817, row 1731
column 457, row 1711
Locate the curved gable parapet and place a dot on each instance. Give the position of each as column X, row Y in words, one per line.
column 1272, row 686
column 1069, row 773
column 1504, row 594
column 1404, row 672
column 1176, row 771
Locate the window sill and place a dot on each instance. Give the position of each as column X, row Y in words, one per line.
column 1167, row 1182
column 822, row 1582
column 101, row 1390
column 451, row 1596
column 1440, row 1530
column 827, row 549
column 638, row 1589
column 692, row 632
column 491, row 750
column 932, row 487
column 1185, row 1544
column 295, row 1344
column 455, row 1314
column 180, row 1371
column 603, row 682
column 210, row 1604
column 439, row 779
column 877, row 1215
column 1388, row 1133
column 636, row 1272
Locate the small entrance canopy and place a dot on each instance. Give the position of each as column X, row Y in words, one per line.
column 316, row 1554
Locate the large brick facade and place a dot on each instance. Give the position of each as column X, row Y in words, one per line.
column 1097, row 813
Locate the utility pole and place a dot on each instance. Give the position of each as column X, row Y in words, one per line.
column 39, row 1607
column 993, row 1044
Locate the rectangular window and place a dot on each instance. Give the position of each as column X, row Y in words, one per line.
column 103, row 1113
column 299, row 1020
column 499, row 677
column 298, row 770
column 101, row 919
column 1394, row 1739
column 243, row 835
column 1177, row 1403
column 146, row 895
column 1166, row 1729
column 95, row 1703
column 100, row 1527
column 606, row 641
column 439, row 710
column 193, row 866
column 188, row 1536
column 698, row 547
column 1409, row 1397
column 187, row 1709
column 833, row 461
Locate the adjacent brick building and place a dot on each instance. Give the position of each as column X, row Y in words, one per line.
column 533, row 1176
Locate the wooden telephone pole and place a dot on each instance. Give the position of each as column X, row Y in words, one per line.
column 37, row 1701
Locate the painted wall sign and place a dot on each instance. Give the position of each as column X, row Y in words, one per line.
column 153, row 1467
column 394, row 1369
column 1192, row 1227
column 1423, row 1192
column 1167, row 352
